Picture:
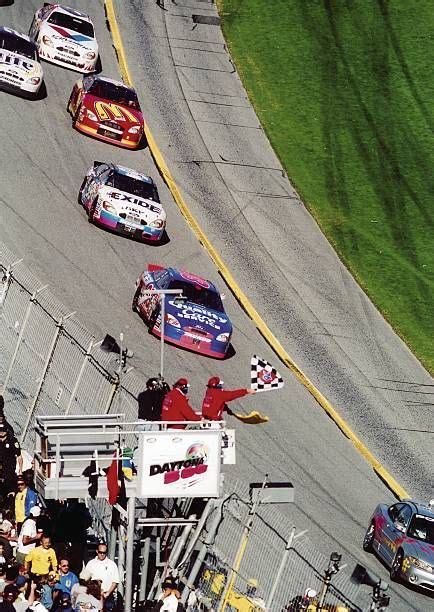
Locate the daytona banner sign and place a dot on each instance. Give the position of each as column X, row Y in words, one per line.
column 179, row 463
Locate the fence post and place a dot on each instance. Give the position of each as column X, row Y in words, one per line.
column 6, row 280
column 202, row 553
column 20, row 335
column 128, row 599
column 144, row 568
column 59, row 327
column 79, row 377
column 241, row 550
column 121, row 557
column 281, row 568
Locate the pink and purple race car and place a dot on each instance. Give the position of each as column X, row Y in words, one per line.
column 195, row 320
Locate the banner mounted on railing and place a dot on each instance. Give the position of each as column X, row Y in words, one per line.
column 179, row 463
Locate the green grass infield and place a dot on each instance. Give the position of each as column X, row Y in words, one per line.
column 345, row 91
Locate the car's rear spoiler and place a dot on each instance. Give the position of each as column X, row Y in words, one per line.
column 154, row 267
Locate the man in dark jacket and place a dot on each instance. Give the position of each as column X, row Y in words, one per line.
column 214, row 402
column 10, row 454
column 176, row 406
column 151, row 400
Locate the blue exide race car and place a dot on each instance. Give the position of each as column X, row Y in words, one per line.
column 196, row 320
column 403, row 536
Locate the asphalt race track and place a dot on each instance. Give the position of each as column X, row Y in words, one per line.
column 296, row 281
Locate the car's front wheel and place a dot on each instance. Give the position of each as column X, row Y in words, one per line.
column 135, row 303
column 368, row 540
column 80, row 191
column 396, row 569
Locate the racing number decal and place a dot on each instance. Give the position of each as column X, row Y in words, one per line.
column 108, row 110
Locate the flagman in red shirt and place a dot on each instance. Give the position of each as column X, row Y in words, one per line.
column 214, row 402
column 176, row 406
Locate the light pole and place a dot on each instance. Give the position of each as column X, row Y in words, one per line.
column 332, row 569
column 162, row 293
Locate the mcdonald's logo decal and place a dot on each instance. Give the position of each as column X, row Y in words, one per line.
column 108, row 110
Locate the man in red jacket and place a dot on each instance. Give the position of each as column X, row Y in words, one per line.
column 214, row 402
column 176, row 406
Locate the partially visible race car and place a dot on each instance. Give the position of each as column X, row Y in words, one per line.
column 65, row 36
column 196, row 320
column 123, row 200
column 20, row 69
column 403, row 536
column 108, row 110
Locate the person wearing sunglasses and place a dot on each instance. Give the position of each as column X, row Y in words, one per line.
column 67, row 579
column 104, row 569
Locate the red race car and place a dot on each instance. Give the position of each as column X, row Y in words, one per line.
column 108, row 110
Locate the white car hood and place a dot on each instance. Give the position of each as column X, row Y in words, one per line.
column 25, row 67
column 64, row 36
column 132, row 205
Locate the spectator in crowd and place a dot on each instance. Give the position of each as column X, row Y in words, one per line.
column 63, row 604
column 35, row 598
column 92, row 598
column 10, row 594
column 80, row 587
column 11, row 575
column 10, row 454
column 42, row 559
column 21, row 583
column 7, row 535
column 25, row 466
column 67, row 579
column 25, row 499
column 2, row 557
column 170, row 598
column 151, row 401
column 106, row 570
column 214, row 402
column 46, row 584
column 2, row 577
column 29, row 535
column 176, row 406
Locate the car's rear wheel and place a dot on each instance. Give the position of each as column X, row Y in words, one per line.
column 153, row 318
column 134, row 305
column 75, row 116
column 68, row 108
column 396, row 568
column 368, row 540
column 91, row 211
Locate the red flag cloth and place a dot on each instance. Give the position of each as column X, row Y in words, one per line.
column 113, row 481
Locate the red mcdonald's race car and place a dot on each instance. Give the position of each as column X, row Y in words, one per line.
column 108, row 110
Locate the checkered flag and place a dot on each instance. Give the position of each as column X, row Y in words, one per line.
column 263, row 376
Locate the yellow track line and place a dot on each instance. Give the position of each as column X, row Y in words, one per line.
column 262, row 327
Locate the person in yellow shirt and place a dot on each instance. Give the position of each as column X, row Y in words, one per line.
column 20, row 501
column 42, row 559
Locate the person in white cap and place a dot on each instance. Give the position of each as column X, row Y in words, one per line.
column 29, row 535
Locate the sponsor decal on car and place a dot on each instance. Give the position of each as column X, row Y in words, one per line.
column 14, row 60
column 123, row 197
column 195, row 279
column 197, row 313
column 110, row 110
